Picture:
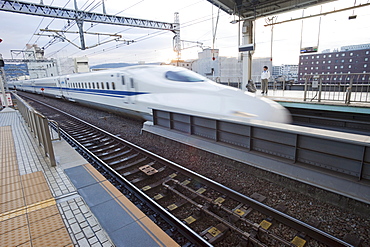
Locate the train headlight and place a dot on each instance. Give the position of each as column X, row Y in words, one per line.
column 243, row 114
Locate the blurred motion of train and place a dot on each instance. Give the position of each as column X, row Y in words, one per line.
column 136, row 90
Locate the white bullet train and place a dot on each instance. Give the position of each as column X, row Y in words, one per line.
column 136, row 90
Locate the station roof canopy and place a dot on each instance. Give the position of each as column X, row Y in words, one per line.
column 249, row 9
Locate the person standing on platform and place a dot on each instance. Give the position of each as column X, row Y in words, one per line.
column 265, row 76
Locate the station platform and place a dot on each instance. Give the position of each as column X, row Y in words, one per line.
column 295, row 99
column 71, row 204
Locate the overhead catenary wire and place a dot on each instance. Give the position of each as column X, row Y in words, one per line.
column 139, row 39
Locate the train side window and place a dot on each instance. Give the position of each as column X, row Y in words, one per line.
column 102, row 85
column 113, row 86
column 89, row 84
column 132, row 82
column 97, row 85
column 123, row 80
column 79, row 85
column 93, row 85
column 107, row 85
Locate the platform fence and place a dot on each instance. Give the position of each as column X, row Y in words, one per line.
column 40, row 128
column 347, row 88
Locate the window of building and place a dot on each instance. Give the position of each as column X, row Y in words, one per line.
column 329, row 61
column 317, row 62
column 350, row 60
column 366, row 59
column 351, row 54
column 343, row 54
column 317, row 56
column 313, row 57
column 329, row 55
column 335, row 67
column 305, row 68
column 328, row 67
column 323, row 61
column 311, row 68
column 317, row 68
column 324, row 56
column 337, row 55
column 349, row 66
column 367, row 52
column 365, row 65
column 341, row 66
column 342, row 61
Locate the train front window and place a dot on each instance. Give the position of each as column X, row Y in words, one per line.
column 184, row 76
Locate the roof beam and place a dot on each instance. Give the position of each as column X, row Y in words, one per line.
column 70, row 14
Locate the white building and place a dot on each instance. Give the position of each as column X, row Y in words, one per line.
column 225, row 70
column 38, row 66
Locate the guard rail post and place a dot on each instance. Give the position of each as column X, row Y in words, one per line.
column 348, row 92
column 320, row 88
column 305, row 89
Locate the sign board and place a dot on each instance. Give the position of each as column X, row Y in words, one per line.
column 315, row 84
column 8, row 98
column 247, row 47
column 309, row 49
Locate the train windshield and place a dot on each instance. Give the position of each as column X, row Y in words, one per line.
column 184, row 76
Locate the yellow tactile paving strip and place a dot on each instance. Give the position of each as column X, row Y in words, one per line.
column 28, row 212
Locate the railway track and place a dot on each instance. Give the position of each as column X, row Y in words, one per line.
column 355, row 123
column 191, row 207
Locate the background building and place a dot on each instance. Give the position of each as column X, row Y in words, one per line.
column 348, row 60
column 288, row 72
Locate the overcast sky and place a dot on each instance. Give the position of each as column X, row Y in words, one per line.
column 196, row 25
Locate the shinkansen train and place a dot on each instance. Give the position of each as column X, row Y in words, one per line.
column 136, row 90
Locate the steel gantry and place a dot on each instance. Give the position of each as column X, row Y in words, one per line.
column 83, row 16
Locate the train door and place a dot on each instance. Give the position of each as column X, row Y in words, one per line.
column 60, row 87
column 128, row 85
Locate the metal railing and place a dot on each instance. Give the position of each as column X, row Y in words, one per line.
column 347, row 88
column 236, row 81
column 40, row 128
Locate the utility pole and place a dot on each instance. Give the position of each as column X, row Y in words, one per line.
column 1, row 81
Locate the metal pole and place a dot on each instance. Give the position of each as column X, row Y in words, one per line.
column 1, row 81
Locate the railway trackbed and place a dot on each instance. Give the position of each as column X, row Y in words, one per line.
column 193, row 209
